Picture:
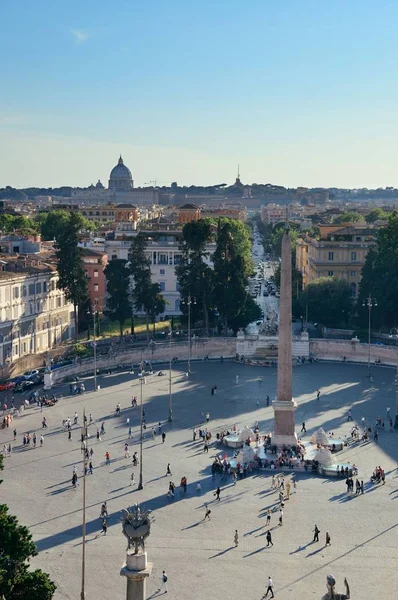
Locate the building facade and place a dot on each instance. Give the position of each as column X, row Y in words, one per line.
column 340, row 252
column 95, row 263
column 34, row 313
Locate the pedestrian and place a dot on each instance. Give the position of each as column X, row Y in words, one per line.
column 126, row 451
column 316, row 534
column 237, row 379
column 104, row 526
column 207, row 513
column 318, row 394
column 270, row 588
column 168, row 470
column 130, row 436
column 34, row 439
column 267, row 400
column 376, row 435
column 107, row 458
column 90, row 467
column 163, row 437
column 207, row 417
column 132, row 478
column 361, row 486
column 280, row 517
column 294, row 484
column 195, row 432
column 70, row 434
column 91, row 453
column 163, row 585
column 383, row 476
column 349, row 418
column 273, row 482
column 75, row 482
column 15, row 434
column 303, row 428
column 268, row 522
column 217, row 493
column 236, row 538
column 288, row 490
column 206, row 447
column 41, row 440
column 327, row 539
column 104, row 509
column 9, row 449
column 268, row 537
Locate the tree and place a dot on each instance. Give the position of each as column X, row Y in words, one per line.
column 146, row 297
column 16, row 549
column 231, row 270
column 194, row 275
column 118, row 307
column 348, row 217
column 328, row 300
column 52, row 224
column 72, row 278
column 377, row 214
column 380, row 277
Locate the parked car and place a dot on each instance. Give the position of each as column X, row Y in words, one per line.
column 30, row 374
column 23, row 386
column 6, row 385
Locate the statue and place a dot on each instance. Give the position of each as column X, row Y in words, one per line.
column 331, row 594
column 136, row 526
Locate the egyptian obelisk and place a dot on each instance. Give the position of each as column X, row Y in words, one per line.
column 284, row 405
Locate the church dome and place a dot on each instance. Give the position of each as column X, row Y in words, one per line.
column 120, row 177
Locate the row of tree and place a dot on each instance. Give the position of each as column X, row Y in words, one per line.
column 49, row 224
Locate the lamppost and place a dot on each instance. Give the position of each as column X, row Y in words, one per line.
column 140, row 483
column 93, row 314
column 396, row 399
column 370, row 303
column 170, row 395
column 190, row 300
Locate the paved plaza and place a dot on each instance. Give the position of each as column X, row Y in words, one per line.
column 199, row 557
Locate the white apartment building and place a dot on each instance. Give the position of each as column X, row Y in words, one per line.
column 34, row 313
column 163, row 253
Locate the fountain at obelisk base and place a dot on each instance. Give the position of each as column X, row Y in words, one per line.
column 284, row 404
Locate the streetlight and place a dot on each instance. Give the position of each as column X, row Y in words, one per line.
column 95, row 312
column 190, row 300
column 84, row 436
column 370, row 303
column 170, row 396
column 140, row 483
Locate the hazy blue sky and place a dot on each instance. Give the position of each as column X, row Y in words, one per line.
column 299, row 92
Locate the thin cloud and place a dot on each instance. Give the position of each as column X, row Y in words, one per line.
column 79, row 35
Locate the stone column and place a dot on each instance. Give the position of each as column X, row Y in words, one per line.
column 136, row 569
column 284, row 405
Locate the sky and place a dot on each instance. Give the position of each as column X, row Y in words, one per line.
column 297, row 92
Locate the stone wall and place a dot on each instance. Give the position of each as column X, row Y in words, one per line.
column 353, row 351
column 266, row 346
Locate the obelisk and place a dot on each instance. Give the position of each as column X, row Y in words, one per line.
column 284, row 405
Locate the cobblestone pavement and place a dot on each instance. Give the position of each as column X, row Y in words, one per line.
column 200, row 557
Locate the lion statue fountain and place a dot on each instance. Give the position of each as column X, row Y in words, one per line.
column 136, row 526
column 331, row 594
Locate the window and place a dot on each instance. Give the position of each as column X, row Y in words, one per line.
column 24, row 291
column 95, row 273
column 353, row 273
column 177, row 305
column 330, row 273
column 38, row 288
column 44, row 286
column 31, row 289
column 163, row 259
column 95, row 287
column 59, row 302
column 162, row 286
column 331, row 256
column 161, row 271
column 114, row 256
column 16, row 292
column 353, row 256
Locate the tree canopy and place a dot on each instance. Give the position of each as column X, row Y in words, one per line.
column 347, row 217
column 376, row 214
column 118, row 306
column 328, row 300
column 380, row 276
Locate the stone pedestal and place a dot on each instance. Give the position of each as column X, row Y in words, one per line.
column 136, row 569
column 48, row 380
column 284, row 424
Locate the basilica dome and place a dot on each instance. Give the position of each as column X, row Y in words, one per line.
column 120, row 178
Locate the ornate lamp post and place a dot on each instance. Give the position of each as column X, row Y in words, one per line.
column 190, row 300
column 170, row 394
column 93, row 314
column 370, row 303
column 84, row 436
column 140, row 483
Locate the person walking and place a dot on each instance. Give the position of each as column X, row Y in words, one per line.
column 280, row 517
column 237, row 379
column 273, row 482
column 362, row 490
column 270, row 588
column 126, row 451
column 318, row 394
column 236, row 538
column 90, row 467
column 41, row 440
column 349, row 417
column 207, row 513
column 104, row 526
column 168, row 470
column 268, row 522
column 163, row 585
column 130, row 436
column 327, row 543
column 107, row 458
column 15, row 434
column 316, row 534
column 132, row 478
column 268, row 400
column 207, row 417
column 303, row 428
column 217, row 493
column 288, row 489
column 163, row 437
column 268, row 537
